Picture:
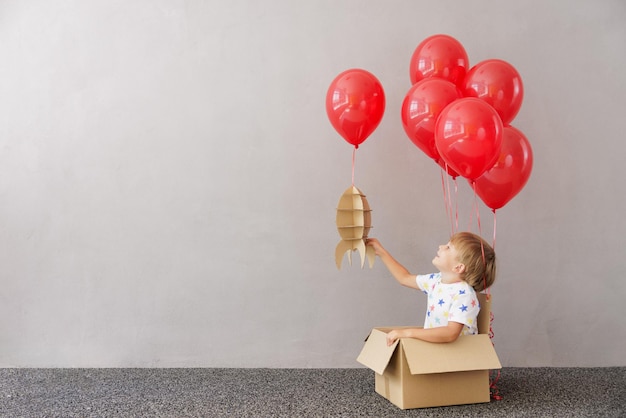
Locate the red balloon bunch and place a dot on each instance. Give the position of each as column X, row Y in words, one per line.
column 460, row 117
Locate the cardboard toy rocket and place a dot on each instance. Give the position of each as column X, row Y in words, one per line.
column 354, row 220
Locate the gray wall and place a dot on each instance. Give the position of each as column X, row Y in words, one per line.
column 168, row 181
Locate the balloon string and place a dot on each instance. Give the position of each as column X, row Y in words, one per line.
column 353, row 158
column 495, row 224
column 450, row 211
column 493, row 245
column 453, row 215
column 474, row 209
column 456, row 203
column 480, row 233
column 494, row 375
column 445, row 198
column 477, row 208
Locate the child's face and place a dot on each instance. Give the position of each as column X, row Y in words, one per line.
column 446, row 258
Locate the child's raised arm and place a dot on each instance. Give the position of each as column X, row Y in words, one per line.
column 397, row 270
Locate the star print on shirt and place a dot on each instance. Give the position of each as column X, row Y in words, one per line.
column 443, row 300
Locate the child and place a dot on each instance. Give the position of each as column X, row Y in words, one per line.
column 466, row 264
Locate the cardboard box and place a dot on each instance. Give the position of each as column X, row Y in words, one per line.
column 417, row 374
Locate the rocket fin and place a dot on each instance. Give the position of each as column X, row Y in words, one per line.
column 342, row 248
column 360, row 245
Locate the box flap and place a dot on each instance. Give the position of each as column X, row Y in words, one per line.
column 375, row 353
column 484, row 316
column 468, row 352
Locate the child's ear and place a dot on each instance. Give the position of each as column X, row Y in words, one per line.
column 460, row 268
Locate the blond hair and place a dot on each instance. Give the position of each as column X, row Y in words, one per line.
column 478, row 257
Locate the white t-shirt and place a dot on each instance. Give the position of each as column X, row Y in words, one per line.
column 456, row 302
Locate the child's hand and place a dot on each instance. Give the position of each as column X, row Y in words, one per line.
column 392, row 336
column 376, row 245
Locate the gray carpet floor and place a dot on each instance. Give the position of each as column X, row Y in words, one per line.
column 526, row 392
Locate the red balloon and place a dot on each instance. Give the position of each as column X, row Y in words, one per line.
column 421, row 107
column 468, row 135
column 502, row 182
column 439, row 56
column 498, row 83
column 355, row 103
